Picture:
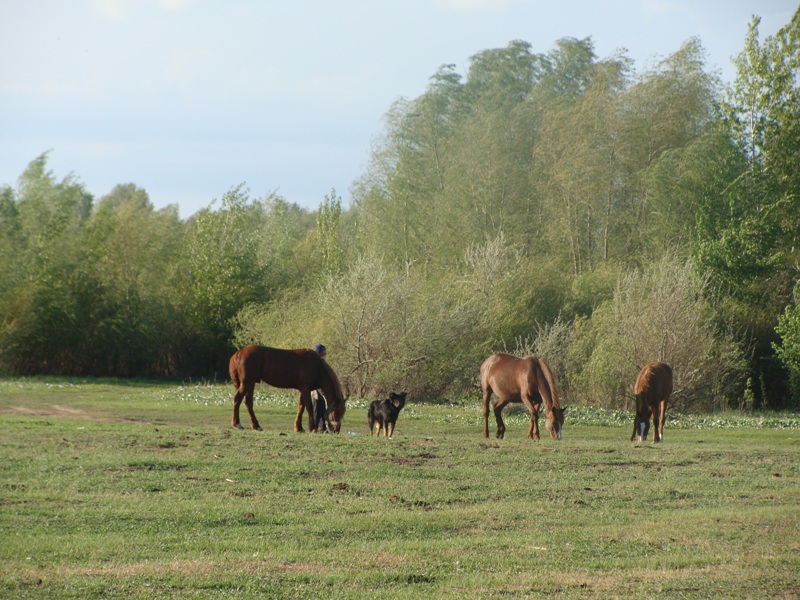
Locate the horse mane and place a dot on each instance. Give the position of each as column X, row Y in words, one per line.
column 337, row 387
column 551, row 384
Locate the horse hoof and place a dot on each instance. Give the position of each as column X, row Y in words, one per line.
column 238, row 426
column 258, row 428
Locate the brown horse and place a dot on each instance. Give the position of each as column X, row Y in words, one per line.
column 527, row 380
column 652, row 389
column 303, row 370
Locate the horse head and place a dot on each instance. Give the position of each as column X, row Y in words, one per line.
column 335, row 397
column 335, row 416
column 554, row 421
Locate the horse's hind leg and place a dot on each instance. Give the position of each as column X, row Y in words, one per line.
column 241, row 394
column 248, row 402
column 237, row 401
column 487, row 394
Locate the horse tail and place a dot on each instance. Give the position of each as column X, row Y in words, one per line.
column 550, row 382
column 233, row 369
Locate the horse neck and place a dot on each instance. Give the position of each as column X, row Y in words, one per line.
column 551, row 397
column 332, row 394
column 331, row 387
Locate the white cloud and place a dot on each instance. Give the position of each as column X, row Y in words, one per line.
column 116, row 10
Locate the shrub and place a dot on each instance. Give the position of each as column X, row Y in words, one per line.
column 662, row 313
column 788, row 351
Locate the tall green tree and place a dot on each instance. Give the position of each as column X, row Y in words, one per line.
column 329, row 232
column 221, row 274
column 45, row 311
column 131, row 250
column 747, row 235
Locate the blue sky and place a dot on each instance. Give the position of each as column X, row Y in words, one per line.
column 188, row 98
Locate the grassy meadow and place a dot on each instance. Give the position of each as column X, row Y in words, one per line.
column 113, row 489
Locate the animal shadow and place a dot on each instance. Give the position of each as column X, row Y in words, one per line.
column 383, row 414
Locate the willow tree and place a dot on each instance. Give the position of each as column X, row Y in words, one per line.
column 46, row 294
column 578, row 170
column 400, row 196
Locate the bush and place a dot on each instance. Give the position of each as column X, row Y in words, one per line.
column 385, row 330
column 788, row 351
column 663, row 313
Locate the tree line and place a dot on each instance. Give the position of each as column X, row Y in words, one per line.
column 554, row 203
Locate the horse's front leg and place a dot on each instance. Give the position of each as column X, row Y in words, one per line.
column 533, row 407
column 298, row 420
column 533, row 430
column 638, row 427
column 303, row 404
column 498, row 416
column 658, row 422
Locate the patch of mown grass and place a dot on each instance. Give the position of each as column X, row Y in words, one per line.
column 144, row 491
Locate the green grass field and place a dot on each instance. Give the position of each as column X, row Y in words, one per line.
column 141, row 490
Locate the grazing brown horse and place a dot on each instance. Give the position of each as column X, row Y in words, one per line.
column 652, row 389
column 302, row 370
column 527, row 380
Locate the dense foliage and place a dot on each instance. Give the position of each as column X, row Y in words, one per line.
column 556, row 203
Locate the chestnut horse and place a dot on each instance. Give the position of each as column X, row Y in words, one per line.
column 527, row 380
column 652, row 389
column 303, row 370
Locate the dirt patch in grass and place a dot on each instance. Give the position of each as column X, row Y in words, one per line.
column 58, row 411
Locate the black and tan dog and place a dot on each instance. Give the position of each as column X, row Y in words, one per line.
column 383, row 414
